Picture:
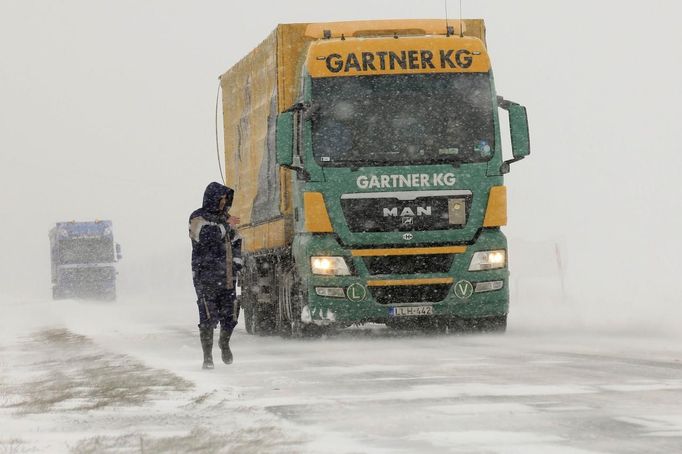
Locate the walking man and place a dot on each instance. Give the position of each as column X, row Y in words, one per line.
column 216, row 258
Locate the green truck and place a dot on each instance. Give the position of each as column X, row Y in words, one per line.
column 367, row 163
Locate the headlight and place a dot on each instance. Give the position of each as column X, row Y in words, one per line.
column 329, row 266
column 488, row 260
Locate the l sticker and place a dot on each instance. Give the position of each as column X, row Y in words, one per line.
column 356, row 292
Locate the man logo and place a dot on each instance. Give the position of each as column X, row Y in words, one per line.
column 407, row 211
column 408, row 220
column 408, row 236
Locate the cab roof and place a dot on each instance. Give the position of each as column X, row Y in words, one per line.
column 396, row 27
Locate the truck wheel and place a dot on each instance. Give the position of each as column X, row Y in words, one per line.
column 247, row 298
column 264, row 319
column 288, row 300
column 261, row 297
column 57, row 294
column 248, row 318
column 259, row 317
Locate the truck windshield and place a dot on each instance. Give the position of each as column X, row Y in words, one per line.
column 86, row 250
column 397, row 119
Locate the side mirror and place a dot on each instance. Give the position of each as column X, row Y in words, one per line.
column 289, row 125
column 518, row 128
column 285, row 138
column 119, row 256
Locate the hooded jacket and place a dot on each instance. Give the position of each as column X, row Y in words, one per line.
column 216, row 247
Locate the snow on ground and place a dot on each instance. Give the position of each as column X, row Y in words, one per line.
column 79, row 376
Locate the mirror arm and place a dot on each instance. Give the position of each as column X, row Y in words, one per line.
column 297, row 107
column 301, row 173
column 505, row 167
column 502, row 103
column 505, row 103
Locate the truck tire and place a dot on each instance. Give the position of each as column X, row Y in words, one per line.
column 248, row 318
column 289, row 303
column 57, row 293
column 259, row 318
column 290, row 298
column 288, row 306
column 264, row 319
column 247, row 298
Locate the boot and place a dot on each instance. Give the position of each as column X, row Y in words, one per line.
column 224, row 344
column 206, row 336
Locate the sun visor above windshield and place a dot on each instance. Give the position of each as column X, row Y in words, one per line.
column 392, row 27
column 382, row 56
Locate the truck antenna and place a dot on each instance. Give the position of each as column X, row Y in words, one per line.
column 447, row 27
column 217, row 146
column 461, row 29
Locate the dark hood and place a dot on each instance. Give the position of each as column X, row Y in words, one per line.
column 214, row 191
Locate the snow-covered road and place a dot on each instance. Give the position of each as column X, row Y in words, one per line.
column 126, row 377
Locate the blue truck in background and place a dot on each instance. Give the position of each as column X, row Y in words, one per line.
column 83, row 258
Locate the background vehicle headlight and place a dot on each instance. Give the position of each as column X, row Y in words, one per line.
column 488, row 260
column 329, row 266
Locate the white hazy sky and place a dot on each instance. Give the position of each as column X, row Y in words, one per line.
column 106, row 111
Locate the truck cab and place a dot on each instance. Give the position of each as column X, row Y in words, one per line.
column 83, row 257
column 399, row 178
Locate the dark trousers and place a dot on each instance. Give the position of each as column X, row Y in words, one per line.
column 216, row 306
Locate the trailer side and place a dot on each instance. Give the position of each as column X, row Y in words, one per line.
column 255, row 90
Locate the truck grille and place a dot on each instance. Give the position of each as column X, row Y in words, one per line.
column 403, row 294
column 87, row 275
column 408, row 264
column 402, row 212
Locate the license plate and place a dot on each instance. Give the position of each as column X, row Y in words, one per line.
column 409, row 311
